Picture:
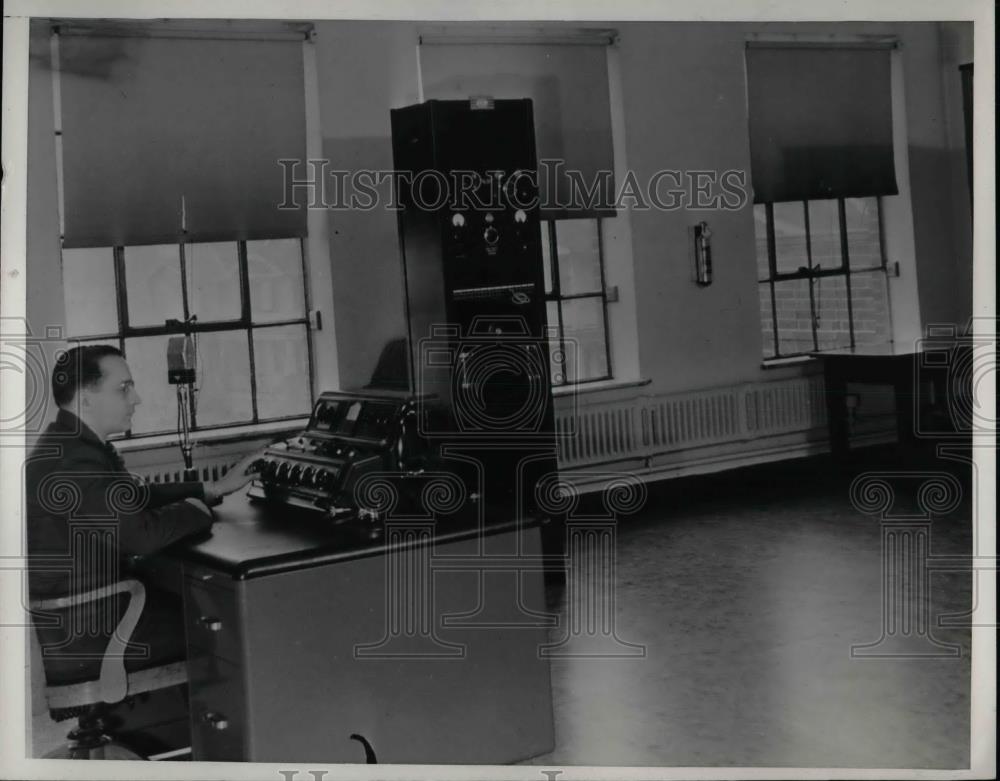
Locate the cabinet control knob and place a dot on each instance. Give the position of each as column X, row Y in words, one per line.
column 491, row 235
column 216, row 720
column 211, row 623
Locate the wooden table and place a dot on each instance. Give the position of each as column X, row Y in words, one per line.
column 887, row 364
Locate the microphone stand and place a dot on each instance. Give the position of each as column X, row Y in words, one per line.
column 184, row 389
column 183, row 397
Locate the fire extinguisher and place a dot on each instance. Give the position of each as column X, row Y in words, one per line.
column 702, row 254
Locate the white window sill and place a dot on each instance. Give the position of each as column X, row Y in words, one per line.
column 601, row 385
column 232, row 433
column 777, row 363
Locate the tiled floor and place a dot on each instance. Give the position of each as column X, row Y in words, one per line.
column 747, row 593
column 736, row 601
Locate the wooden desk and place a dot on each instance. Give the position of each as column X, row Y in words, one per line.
column 424, row 641
column 889, row 364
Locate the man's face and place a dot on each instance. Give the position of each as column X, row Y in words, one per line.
column 107, row 407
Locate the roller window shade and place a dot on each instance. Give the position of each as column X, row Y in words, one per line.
column 820, row 122
column 147, row 120
column 568, row 86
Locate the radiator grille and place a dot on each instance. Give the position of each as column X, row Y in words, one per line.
column 690, row 420
column 786, row 406
column 172, row 474
column 640, row 427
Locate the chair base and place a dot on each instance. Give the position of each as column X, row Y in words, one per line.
column 108, row 750
column 90, row 739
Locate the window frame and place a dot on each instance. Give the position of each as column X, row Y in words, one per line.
column 809, row 273
column 243, row 323
column 555, row 295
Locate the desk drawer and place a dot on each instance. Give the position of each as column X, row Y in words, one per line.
column 218, row 709
column 212, row 618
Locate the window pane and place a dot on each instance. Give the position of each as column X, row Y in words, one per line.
column 760, row 240
column 546, row 256
column 863, row 232
column 871, row 307
column 213, row 281
column 153, row 284
column 832, row 319
column 766, row 320
column 557, row 358
column 89, row 291
column 277, row 291
column 794, row 319
column 579, row 248
column 147, row 358
column 790, row 237
column 281, row 363
column 824, row 234
column 224, row 394
column 585, row 340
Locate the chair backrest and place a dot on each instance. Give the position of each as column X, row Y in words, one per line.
column 112, row 686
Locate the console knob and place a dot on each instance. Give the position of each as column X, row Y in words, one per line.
column 491, row 235
column 282, row 472
column 294, row 474
column 307, row 475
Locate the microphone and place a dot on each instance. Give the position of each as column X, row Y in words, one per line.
column 180, row 360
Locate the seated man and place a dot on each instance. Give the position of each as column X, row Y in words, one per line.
column 85, row 513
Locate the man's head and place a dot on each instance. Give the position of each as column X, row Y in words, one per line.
column 95, row 383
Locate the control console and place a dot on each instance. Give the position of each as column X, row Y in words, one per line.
column 350, row 435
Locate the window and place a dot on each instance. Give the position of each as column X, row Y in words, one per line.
column 821, row 156
column 576, row 300
column 244, row 302
column 822, row 275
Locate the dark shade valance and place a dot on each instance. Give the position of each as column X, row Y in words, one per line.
column 820, row 122
column 568, row 86
column 149, row 120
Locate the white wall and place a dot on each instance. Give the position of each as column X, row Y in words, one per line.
column 364, row 69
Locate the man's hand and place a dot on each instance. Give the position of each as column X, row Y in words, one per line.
column 237, row 477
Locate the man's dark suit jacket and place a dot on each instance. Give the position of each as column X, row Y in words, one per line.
column 85, row 513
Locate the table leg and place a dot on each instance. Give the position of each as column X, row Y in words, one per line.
column 836, row 410
column 906, row 397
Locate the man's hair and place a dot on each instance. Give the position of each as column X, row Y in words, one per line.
column 79, row 367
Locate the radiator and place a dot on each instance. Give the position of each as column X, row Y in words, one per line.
column 171, row 473
column 640, row 427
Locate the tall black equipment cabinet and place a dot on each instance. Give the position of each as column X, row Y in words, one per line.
column 471, row 244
